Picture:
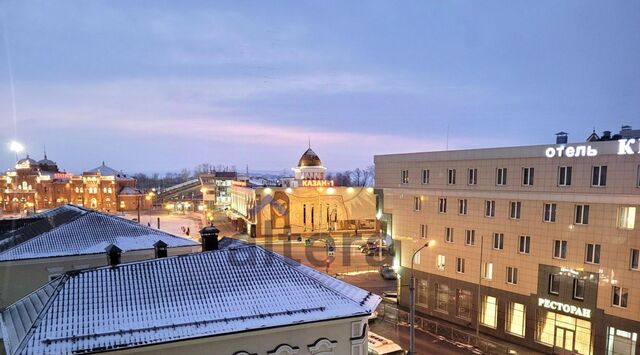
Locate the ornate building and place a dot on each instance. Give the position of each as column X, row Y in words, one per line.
column 37, row 185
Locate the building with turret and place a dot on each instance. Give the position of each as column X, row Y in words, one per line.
column 36, row 185
column 304, row 205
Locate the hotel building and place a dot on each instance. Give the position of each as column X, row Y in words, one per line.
column 537, row 245
column 306, row 205
column 39, row 185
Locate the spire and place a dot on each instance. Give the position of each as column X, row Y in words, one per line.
column 45, row 151
column 309, row 142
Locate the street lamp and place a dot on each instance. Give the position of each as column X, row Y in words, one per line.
column 412, row 296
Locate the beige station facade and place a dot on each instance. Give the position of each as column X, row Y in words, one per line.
column 547, row 233
column 304, row 206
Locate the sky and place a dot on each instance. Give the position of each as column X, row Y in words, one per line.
column 156, row 86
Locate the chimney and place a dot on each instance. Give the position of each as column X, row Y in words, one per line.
column 606, row 136
column 160, row 249
column 113, row 254
column 209, row 236
column 562, row 138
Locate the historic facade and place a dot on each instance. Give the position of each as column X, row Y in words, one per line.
column 305, row 205
column 37, row 185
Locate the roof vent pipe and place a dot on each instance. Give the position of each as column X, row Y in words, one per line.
column 160, row 248
column 209, row 236
column 113, row 254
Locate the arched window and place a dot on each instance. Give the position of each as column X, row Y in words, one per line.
column 284, row 349
column 94, row 203
column 24, row 185
column 322, row 346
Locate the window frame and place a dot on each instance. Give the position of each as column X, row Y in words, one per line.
column 489, row 208
column 424, row 177
column 528, row 174
column 581, row 214
column 564, row 245
column 462, row 206
column 601, row 177
column 575, row 295
column 423, row 231
column 472, row 176
column 448, row 234
column 527, row 239
column 596, row 252
column 623, row 296
column 517, row 207
column 497, row 236
column 470, row 237
column 451, row 176
column 442, row 205
column 441, row 262
column 501, row 176
column 554, row 281
column 417, row 203
column 633, row 251
column 564, row 178
column 552, row 216
column 512, row 275
column 460, row 265
column 404, row 176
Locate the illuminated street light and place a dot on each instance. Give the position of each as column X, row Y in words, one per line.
column 412, row 315
column 16, row 147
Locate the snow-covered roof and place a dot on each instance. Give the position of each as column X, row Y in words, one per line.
column 177, row 298
column 91, row 233
column 128, row 190
column 105, row 170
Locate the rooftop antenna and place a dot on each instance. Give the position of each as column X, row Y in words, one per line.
column 45, row 151
column 309, row 142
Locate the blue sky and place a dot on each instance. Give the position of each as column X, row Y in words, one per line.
column 161, row 85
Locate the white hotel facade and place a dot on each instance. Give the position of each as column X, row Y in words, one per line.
column 547, row 234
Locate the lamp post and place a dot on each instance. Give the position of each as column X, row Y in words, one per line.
column 412, row 296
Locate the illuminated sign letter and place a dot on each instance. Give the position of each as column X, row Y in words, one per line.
column 624, row 146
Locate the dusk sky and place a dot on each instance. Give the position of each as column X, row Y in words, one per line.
column 161, row 85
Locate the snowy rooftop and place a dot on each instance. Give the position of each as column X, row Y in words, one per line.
column 89, row 233
column 166, row 300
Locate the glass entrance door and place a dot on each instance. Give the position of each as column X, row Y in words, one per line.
column 565, row 339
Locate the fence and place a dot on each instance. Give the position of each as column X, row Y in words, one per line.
column 458, row 337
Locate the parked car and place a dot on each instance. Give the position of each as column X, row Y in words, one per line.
column 387, row 272
column 390, row 296
column 379, row 345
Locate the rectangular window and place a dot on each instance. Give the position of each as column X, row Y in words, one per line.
column 404, row 176
column 448, row 234
column 501, row 176
column 462, row 206
column 498, row 241
column 442, row 205
column 549, row 212
column 524, row 244
column 592, row 253
column 527, row 176
column 516, row 320
column 559, row 249
column 442, row 297
column 564, row 176
column 463, row 309
column 582, row 214
column 417, row 203
column 451, row 176
column 554, row 284
column 512, row 275
column 440, row 262
column 634, row 259
column 470, row 237
column 578, row 289
column 599, row 176
column 460, row 265
column 422, row 295
column 472, row 177
column 425, row 176
column 514, row 210
column 487, row 271
column 490, row 208
column 627, row 217
column 489, row 311
column 423, row 231
column 619, row 296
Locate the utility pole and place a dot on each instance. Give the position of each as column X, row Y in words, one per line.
column 412, row 296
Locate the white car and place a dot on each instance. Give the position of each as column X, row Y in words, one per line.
column 379, row 345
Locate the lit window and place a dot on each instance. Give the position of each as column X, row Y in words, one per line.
column 560, row 249
column 489, row 315
column 524, row 244
column 470, row 237
column 619, row 296
column 554, row 284
column 487, row 271
column 599, row 176
column 440, row 262
column 514, row 210
column 451, row 176
column 592, row 253
column 516, row 320
column 462, row 206
column 423, row 231
column 498, row 241
column 564, row 176
column 448, row 234
column 501, row 176
column 512, row 275
column 527, row 176
column 582, row 214
column 460, row 265
column 627, row 217
column 442, row 205
column 490, row 208
column 472, row 177
column 425, row 176
column 549, row 212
